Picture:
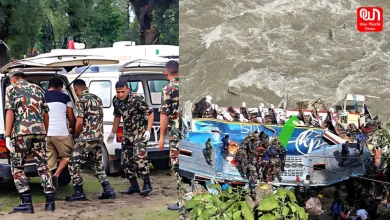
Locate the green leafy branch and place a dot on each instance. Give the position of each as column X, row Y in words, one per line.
column 281, row 205
column 230, row 205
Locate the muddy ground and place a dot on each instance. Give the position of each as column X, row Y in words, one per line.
column 124, row 207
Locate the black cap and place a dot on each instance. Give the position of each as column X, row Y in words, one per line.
column 121, row 84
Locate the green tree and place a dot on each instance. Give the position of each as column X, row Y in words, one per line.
column 20, row 24
column 105, row 25
column 167, row 23
column 78, row 14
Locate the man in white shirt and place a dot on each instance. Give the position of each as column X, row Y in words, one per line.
column 59, row 140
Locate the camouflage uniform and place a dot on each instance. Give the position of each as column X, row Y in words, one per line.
column 276, row 166
column 170, row 107
column 276, row 163
column 242, row 160
column 88, row 147
column 28, row 103
column 209, row 149
column 135, row 112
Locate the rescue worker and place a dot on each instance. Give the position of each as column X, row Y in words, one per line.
column 275, row 161
column 169, row 114
column 209, row 149
column 242, row 160
column 27, row 121
column 137, row 123
column 225, row 146
column 89, row 142
column 282, row 156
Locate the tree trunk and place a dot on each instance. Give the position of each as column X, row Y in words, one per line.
column 127, row 24
column 3, row 48
column 3, row 55
column 4, row 33
column 143, row 10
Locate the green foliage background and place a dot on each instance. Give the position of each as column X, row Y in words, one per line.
column 97, row 23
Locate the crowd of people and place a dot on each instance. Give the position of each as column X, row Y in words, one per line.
column 259, row 158
column 46, row 125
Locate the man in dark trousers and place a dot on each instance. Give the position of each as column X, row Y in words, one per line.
column 225, row 146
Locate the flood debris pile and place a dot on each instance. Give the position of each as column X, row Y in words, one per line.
column 259, row 159
column 206, row 109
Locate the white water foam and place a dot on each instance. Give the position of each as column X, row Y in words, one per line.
column 261, row 50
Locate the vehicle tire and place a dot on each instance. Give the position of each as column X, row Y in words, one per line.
column 64, row 178
column 105, row 160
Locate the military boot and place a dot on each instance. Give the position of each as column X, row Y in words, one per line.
column 78, row 194
column 25, row 205
column 50, row 202
column 134, row 187
column 108, row 192
column 147, row 188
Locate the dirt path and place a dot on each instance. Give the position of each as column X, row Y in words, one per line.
column 124, row 207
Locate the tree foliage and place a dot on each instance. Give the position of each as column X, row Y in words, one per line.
column 51, row 24
column 167, row 23
column 281, row 205
column 229, row 204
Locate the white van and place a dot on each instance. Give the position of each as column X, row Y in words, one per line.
column 146, row 79
column 101, row 80
column 39, row 70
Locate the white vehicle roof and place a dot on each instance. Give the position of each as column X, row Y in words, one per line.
column 124, row 52
column 52, row 63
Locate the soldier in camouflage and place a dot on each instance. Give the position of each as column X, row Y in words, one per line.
column 89, row 141
column 209, row 150
column 169, row 114
column 275, row 160
column 137, row 123
column 252, row 159
column 242, row 160
column 27, row 121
